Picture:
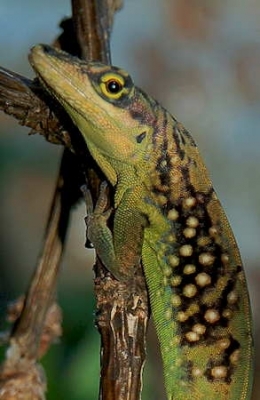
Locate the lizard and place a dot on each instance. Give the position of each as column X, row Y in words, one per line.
column 167, row 214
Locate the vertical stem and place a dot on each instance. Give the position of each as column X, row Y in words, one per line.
column 122, row 310
column 91, row 24
column 41, row 292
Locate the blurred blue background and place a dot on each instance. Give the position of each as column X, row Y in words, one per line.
column 201, row 59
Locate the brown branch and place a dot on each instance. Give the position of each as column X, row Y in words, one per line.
column 42, row 289
column 122, row 322
column 92, row 23
column 20, row 375
column 25, row 100
column 122, row 309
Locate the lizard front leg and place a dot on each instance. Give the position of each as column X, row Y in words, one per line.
column 120, row 248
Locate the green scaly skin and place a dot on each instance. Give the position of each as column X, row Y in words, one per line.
column 167, row 213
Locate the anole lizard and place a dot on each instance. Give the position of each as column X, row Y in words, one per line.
column 167, row 214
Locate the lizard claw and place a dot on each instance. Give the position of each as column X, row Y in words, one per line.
column 96, row 216
column 88, row 198
column 102, row 201
column 90, row 208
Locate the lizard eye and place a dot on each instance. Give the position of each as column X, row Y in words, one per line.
column 112, row 86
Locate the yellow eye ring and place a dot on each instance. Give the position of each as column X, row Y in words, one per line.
column 112, row 86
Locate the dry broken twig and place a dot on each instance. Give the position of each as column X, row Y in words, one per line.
column 25, row 100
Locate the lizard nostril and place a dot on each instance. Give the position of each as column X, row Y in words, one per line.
column 47, row 49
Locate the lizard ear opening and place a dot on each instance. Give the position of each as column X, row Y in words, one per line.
column 141, row 137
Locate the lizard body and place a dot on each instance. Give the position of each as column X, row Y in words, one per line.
column 167, row 213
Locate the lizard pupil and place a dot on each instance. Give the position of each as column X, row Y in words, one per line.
column 114, row 86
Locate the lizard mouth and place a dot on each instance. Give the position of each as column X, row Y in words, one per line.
column 64, row 77
column 58, row 83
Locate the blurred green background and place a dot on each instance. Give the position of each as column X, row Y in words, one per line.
column 201, row 59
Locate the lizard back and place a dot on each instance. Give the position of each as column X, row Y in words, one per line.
column 193, row 267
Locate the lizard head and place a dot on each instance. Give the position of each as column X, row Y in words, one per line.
column 103, row 102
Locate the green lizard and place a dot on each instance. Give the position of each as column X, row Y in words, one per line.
column 167, row 213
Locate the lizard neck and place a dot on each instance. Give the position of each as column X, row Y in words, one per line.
column 174, row 163
column 162, row 173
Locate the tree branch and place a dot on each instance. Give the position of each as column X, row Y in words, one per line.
column 122, row 309
column 25, row 100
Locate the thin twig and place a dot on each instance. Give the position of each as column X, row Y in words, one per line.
column 43, row 286
column 20, row 374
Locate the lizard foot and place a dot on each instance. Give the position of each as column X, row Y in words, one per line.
column 96, row 220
